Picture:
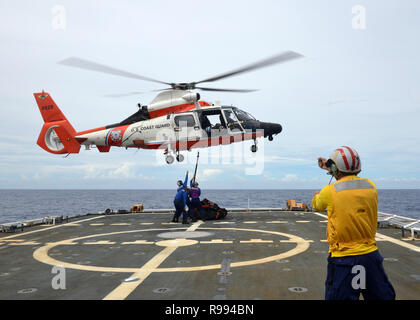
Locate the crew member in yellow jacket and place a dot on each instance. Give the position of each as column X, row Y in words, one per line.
column 354, row 263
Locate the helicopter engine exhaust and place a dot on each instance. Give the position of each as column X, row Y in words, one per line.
column 191, row 97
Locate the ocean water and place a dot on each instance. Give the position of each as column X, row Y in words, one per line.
column 19, row 205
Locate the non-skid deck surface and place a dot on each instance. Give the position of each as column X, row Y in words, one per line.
column 249, row 255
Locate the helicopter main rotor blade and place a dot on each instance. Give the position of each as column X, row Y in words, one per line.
column 93, row 66
column 282, row 57
column 119, row 95
column 226, row 90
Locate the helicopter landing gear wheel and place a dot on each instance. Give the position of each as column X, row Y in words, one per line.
column 179, row 158
column 169, row 159
column 254, row 147
column 270, row 138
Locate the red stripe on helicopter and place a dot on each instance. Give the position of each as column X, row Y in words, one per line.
column 177, row 109
column 90, row 130
column 115, row 136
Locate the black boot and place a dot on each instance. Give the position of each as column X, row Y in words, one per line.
column 185, row 221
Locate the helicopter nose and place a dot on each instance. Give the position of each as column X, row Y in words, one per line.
column 270, row 129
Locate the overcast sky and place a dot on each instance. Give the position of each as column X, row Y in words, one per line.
column 357, row 85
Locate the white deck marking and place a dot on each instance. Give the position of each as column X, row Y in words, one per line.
column 126, row 288
column 399, row 242
column 54, row 227
column 216, row 241
column 99, row 242
column 225, row 222
column 294, row 241
column 383, row 238
column 256, row 241
column 137, row 242
column 320, row 214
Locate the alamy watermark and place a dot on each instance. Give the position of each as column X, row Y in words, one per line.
column 359, row 280
column 358, row 21
column 58, row 281
column 58, row 20
column 223, row 147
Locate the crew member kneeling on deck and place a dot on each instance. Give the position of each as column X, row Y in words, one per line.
column 180, row 201
column 354, row 263
column 195, row 193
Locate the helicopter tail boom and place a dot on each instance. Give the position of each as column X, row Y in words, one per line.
column 57, row 134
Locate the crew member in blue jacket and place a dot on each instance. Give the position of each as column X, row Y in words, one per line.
column 195, row 193
column 180, row 201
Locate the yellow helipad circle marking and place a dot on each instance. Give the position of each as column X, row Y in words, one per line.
column 41, row 254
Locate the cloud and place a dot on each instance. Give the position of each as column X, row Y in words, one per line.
column 102, row 171
column 125, row 170
column 397, row 182
column 211, row 172
column 277, row 159
column 290, row 178
column 382, row 124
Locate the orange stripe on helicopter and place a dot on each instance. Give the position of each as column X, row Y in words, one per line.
column 177, row 109
column 90, row 131
column 115, row 136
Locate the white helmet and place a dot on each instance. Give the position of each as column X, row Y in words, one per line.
column 346, row 160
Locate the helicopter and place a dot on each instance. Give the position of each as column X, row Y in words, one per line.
column 175, row 120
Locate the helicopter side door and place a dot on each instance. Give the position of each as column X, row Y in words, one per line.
column 186, row 126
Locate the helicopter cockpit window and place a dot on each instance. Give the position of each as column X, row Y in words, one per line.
column 187, row 120
column 243, row 116
column 232, row 120
column 212, row 121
